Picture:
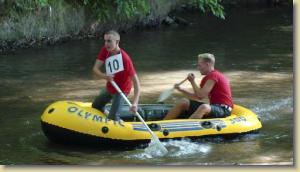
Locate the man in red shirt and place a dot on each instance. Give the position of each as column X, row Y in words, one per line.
column 214, row 86
column 118, row 67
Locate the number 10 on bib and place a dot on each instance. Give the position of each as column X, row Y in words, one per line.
column 114, row 64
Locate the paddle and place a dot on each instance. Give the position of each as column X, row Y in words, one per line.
column 167, row 93
column 154, row 141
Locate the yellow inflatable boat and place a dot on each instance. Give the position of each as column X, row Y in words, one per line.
column 77, row 122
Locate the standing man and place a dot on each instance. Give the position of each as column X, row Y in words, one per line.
column 214, row 86
column 118, row 68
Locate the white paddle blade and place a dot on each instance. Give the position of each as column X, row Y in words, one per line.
column 165, row 95
column 156, row 148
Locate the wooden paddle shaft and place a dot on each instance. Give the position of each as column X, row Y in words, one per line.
column 182, row 81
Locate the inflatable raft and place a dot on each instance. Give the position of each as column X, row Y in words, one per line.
column 76, row 122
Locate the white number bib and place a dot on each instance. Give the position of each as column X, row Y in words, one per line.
column 114, row 64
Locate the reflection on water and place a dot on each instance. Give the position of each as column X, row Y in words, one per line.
column 254, row 48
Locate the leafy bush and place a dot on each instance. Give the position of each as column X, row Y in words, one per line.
column 103, row 10
column 126, row 9
column 117, row 9
column 213, row 6
column 19, row 7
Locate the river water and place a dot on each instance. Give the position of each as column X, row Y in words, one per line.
column 253, row 47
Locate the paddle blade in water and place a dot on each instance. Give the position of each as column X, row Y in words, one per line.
column 164, row 95
column 156, row 148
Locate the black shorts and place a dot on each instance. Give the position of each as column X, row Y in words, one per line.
column 217, row 111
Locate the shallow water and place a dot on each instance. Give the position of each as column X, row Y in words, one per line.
column 253, row 47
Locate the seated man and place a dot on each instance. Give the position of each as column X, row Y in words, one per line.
column 214, row 86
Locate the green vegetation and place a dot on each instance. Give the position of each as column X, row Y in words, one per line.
column 117, row 9
column 15, row 8
column 39, row 19
column 127, row 9
column 210, row 5
column 102, row 9
column 44, row 19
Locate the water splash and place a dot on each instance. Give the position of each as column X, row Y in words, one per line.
column 155, row 149
column 179, row 148
column 269, row 110
column 176, row 148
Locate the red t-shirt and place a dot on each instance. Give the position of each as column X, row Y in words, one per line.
column 221, row 92
column 122, row 78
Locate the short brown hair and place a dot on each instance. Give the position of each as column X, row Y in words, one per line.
column 114, row 33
